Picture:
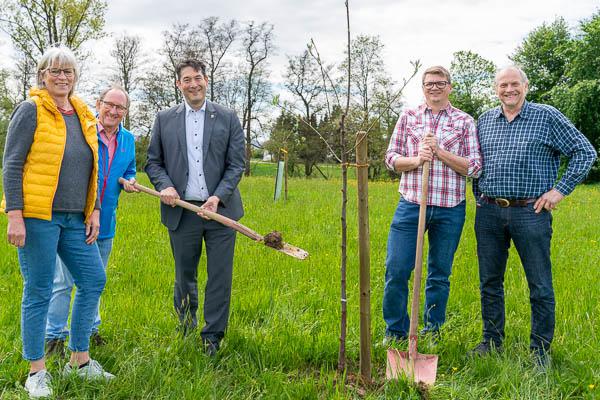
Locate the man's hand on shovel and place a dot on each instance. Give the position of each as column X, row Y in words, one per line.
column 169, row 196
column 211, row 205
column 273, row 239
column 426, row 149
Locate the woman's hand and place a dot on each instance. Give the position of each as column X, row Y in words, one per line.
column 92, row 227
column 16, row 228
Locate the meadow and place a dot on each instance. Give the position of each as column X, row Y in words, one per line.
column 283, row 334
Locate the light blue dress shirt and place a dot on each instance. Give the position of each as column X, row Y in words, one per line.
column 194, row 135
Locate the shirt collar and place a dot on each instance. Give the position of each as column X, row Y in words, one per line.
column 102, row 131
column 189, row 109
column 424, row 107
column 523, row 113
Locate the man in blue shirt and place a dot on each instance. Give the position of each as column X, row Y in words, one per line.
column 521, row 144
column 116, row 158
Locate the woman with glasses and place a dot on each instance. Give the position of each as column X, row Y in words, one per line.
column 50, row 177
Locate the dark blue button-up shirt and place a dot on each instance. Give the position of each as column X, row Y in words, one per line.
column 521, row 158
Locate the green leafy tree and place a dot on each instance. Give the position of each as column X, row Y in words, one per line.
column 284, row 135
column 544, row 55
column 472, row 83
column 33, row 26
column 579, row 96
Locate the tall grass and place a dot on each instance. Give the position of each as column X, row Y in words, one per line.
column 283, row 333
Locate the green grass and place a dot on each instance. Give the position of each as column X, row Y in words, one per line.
column 282, row 340
column 329, row 171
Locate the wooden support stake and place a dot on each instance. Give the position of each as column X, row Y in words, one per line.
column 362, row 174
column 285, row 174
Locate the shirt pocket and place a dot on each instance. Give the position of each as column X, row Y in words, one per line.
column 451, row 139
column 413, row 137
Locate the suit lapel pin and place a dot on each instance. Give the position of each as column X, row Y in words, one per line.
column 212, row 115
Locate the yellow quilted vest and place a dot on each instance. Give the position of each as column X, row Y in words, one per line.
column 42, row 166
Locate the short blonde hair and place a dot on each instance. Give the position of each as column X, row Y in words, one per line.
column 437, row 70
column 57, row 55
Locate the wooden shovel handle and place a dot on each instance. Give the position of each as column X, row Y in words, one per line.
column 414, row 314
column 244, row 230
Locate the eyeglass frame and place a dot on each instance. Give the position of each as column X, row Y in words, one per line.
column 56, row 72
column 110, row 105
column 430, row 85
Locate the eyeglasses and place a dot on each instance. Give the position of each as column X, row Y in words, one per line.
column 438, row 84
column 110, row 105
column 55, row 72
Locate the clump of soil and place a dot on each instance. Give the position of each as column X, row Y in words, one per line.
column 274, row 240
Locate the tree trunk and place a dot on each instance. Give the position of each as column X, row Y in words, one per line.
column 344, row 306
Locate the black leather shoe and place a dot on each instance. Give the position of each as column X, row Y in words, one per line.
column 185, row 329
column 433, row 334
column 97, row 340
column 211, row 347
column 55, row 347
column 484, row 348
column 392, row 340
column 541, row 359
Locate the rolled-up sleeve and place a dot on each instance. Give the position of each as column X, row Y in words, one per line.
column 472, row 151
column 574, row 145
column 397, row 147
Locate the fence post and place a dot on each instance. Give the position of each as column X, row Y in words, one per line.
column 362, row 175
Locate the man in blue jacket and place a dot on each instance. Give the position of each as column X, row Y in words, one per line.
column 116, row 158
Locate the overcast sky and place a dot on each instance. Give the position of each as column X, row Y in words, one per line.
column 410, row 29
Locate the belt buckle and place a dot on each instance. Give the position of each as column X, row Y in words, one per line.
column 502, row 202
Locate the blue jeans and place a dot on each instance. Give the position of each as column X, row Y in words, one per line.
column 58, row 313
column 444, row 226
column 531, row 234
column 63, row 235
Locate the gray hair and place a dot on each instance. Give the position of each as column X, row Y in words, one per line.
column 57, row 55
column 114, row 86
column 513, row 67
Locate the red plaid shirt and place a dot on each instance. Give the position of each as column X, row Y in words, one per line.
column 456, row 132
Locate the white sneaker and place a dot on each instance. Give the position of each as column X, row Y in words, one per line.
column 38, row 384
column 92, row 371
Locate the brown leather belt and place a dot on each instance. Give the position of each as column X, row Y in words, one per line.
column 507, row 202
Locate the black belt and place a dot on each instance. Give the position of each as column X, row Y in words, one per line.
column 196, row 202
column 499, row 201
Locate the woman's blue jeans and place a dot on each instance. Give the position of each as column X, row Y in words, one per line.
column 60, row 303
column 531, row 233
column 63, row 235
column 444, row 227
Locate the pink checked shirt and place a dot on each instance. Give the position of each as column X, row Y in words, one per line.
column 456, row 132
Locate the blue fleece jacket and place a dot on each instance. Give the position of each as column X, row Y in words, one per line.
column 109, row 188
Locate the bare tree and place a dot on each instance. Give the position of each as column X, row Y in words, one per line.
column 180, row 42
column 127, row 52
column 257, row 45
column 218, row 40
column 23, row 73
column 303, row 80
column 368, row 74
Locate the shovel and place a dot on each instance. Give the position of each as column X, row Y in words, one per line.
column 421, row 368
column 272, row 240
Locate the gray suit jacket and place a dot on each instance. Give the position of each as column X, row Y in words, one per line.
column 223, row 152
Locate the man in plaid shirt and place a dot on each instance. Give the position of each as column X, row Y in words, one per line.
column 521, row 144
column 436, row 132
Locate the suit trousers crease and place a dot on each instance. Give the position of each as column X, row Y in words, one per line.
column 186, row 244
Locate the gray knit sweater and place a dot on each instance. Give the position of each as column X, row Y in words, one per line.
column 75, row 170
